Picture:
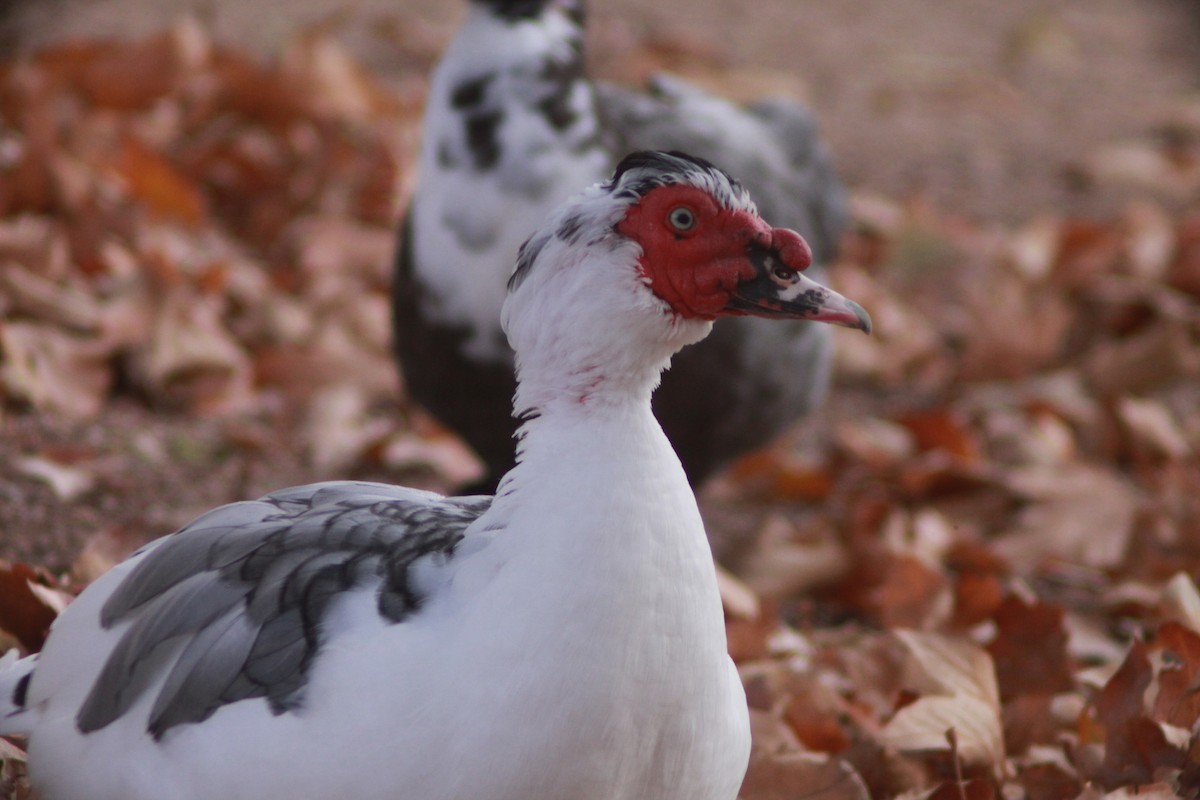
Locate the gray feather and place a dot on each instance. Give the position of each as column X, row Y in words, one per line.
column 203, row 672
column 231, row 606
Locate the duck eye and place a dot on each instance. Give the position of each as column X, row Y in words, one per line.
column 682, row 218
column 783, row 274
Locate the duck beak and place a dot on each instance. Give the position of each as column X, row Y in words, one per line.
column 781, row 291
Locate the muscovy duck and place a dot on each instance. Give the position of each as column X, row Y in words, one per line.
column 513, row 126
column 355, row 640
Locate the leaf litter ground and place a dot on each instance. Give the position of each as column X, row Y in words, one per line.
column 972, row 576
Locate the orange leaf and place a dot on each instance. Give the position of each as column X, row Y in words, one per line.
column 23, row 613
column 942, row 429
column 155, row 181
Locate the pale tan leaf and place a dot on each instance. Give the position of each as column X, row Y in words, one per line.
column 950, row 666
column 334, row 246
column 67, row 481
column 1181, row 601
column 876, row 442
column 36, row 243
column 335, row 83
column 1145, row 165
column 53, row 370
column 1153, row 427
column 101, row 552
column 52, row 598
column 1149, row 240
column 1162, row 353
column 191, row 358
column 924, row 725
column 783, row 565
column 436, row 450
column 958, row 682
column 1077, row 512
column 737, row 598
column 64, row 303
column 340, row 428
column 1032, row 249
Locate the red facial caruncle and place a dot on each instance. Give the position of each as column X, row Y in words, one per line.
column 695, row 252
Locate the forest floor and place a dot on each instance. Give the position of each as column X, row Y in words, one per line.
column 1016, row 448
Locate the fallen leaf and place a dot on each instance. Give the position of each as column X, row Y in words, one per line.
column 53, row 370
column 1077, row 512
column 25, row 613
column 1030, row 649
column 1181, row 601
column 957, row 686
column 808, row 775
column 737, row 598
column 911, row 593
column 1134, row 745
column 1153, row 429
column 191, row 359
column 67, row 481
column 1177, row 701
column 155, row 181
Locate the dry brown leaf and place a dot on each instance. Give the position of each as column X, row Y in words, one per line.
column 1178, row 699
column 1030, row 649
column 101, row 552
column 1153, row 428
column 809, row 775
column 68, row 481
column 995, row 307
column 13, row 772
column 902, row 340
column 942, row 429
column 910, row 593
column 24, row 613
column 737, row 598
column 1135, row 746
column 1145, row 165
column 957, row 684
column 877, row 443
column 783, row 564
column 191, row 358
column 53, row 370
column 1076, row 512
column 340, row 428
column 158, row 184
column 440, row 451
column 1161, row 353
column 1181, row 601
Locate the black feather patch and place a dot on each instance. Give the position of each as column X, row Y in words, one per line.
column 482, row 139
column 470, row 93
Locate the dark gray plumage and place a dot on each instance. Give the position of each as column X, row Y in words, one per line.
column 232, row 603
column 510, row 106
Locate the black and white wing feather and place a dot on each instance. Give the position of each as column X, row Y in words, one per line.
column 230, row 607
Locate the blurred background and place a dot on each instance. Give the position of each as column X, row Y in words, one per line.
column 995, row 109
column 198, row 203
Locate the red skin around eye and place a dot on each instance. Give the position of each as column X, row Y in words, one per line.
column 695, row 271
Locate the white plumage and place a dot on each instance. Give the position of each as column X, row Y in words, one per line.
column 355, row 640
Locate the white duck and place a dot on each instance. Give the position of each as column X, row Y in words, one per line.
column 513, row 126
column 563, row 641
